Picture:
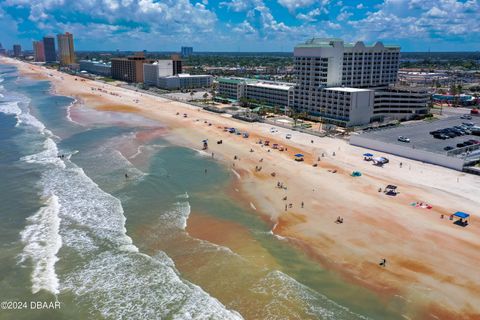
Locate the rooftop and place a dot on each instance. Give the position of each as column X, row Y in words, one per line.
column 273, row 85
column 348, row 89
column 329, row 43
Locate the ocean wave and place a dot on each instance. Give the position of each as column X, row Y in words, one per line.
column 284, row 290
column 137, row 286
column 11, row 108
column 49, row 155
column 42, row 242
column 177, row 216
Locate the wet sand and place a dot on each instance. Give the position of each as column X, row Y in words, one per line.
column 430, row 261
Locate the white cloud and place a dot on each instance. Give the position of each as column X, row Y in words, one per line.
column 310, row 16
column 293, row 5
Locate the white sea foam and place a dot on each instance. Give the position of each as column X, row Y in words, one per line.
column 42, row 242
column 285, row 289
column 69, row 112
column 11, row 108
column 237, row 174
column 136, row 286
column 177, row 217
column 49, row 155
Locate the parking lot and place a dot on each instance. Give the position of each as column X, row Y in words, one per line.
column 419, row 134
column 423, row 146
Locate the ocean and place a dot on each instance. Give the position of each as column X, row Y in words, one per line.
column 105, row 215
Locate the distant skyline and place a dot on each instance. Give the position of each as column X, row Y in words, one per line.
column 242, row 25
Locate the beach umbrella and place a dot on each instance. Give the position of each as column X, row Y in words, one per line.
column 205, row 141
column 368, row 155
column 299, row 155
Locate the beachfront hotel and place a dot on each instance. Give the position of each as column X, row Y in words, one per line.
column 66, row 49
column 129, row 69
column 341, row 68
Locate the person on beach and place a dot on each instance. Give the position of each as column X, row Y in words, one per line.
column 302, row 204
column 213, row 155
column 401, row 164
column 205, row 171
column 126, row 176
column 285, row 207
column 383, row 263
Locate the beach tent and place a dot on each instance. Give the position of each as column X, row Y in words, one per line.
column 356, row 174
column 464, row 218
column 299, row 157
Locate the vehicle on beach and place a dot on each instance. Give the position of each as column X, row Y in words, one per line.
column 273, row 130
column 403, row 139
column 288, row 136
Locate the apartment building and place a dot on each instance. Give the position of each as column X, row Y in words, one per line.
column 49, row 48
column 17, row 50
column 271, row 93
column 38, row 51
column 185, row 81
column 66, row 49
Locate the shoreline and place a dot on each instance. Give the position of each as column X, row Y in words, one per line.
column 376, row 226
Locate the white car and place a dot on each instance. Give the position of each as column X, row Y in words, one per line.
column 403, row 139
column 288, row 136
column 273, row 130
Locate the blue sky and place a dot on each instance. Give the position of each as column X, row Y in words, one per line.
column 242, row 25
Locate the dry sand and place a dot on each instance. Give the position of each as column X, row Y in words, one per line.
column 430, row 261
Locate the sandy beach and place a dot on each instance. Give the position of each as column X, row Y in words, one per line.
column 430, row 262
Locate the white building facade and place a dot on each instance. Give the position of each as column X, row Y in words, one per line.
column 330, row 63
column 96, row 67
column 270, row 93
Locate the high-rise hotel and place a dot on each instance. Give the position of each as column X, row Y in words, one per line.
column 66, row 49
column 352, row 84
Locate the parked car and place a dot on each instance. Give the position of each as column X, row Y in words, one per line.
column 403, row 139
column 440, row 136
column 474, row 111
column 448, row 148
column 466, row 116
column 460, row 145
column 288, row 136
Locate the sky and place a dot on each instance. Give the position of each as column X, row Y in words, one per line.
column 242, row 25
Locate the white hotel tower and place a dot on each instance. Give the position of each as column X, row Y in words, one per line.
column 340, row 83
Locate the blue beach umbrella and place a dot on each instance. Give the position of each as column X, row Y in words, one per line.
column 368, row 155
column 299, row 155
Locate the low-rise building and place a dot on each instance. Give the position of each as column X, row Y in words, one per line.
column 277, row 94
column 400, row 103
column 96, row 67
column 271, row 93
column 185, row 81
column 342, row 106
